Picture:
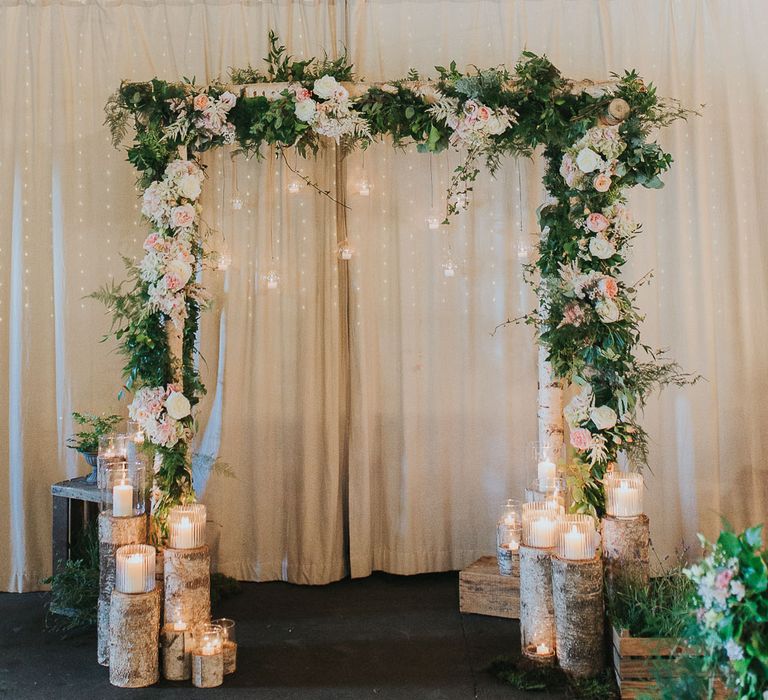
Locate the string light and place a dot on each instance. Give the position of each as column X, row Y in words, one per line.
column 433, row 220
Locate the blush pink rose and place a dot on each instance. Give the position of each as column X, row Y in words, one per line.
column 573, row 315
column 596, row 222
column 200, row 102
column 581, row 439
column 723, row 579
column 150, row 241
column 173, row 282
column 302, row 94
column 608, row 286
column 602, row 183
column 470, row 108
column 483, row 114
column 183, row 216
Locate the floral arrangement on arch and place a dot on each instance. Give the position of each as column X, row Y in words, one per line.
column 732, row 610
column 586, row 319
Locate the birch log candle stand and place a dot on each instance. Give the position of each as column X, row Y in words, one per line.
column 187, row 568
column 537, row 622
column 114, row 532
column 134, row 619
column 208, row 659
column 577, row 590
column 626, row 531
column 177, row 642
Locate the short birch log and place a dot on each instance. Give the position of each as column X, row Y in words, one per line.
column 577, row 589
column 176, row 647
column 626, row 547
column 537, row 617
column 230, row 657
column 188, row 586
column 207, row 670
column 113, row 534
column 134, row 622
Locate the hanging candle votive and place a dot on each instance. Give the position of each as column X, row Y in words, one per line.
column 236, row 201
column 508, row 535
column 223, row 260
column 623, row 494
column 364, row 187
column 449, row 268
column 186, row 526
column 345, row 251
column 135, row 568
column 272, row 278
column 539, row 523
column 122, row 483
column 433, row 222
column 577, row 537
column 293, row 187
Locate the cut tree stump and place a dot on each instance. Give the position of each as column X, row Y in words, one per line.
column 188, row 586
column 113, row 534
column 626, row 547
column 134, row 620
column 577, row 591
column 537, row 614
column 484, row 591
column 230, row 657
column 177, row 647
column 207, row 670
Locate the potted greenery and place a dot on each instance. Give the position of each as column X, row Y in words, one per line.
column 86, row 441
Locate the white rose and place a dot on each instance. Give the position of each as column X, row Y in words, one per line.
column 325, row 86
column 608, row 311
column 494, row 125
column 588, row 160
column 177, row 405
column 601, row 247
column 305, row 110
column 189, row 187
column 604, row 417
column 180, row 269
column 228, row 100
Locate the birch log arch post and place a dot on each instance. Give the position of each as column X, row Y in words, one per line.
column 597, row 144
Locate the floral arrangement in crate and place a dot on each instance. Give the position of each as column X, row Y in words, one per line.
column 732, row 610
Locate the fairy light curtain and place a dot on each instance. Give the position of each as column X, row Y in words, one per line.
column 440, row 413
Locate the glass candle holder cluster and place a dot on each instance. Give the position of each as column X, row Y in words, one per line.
column 135, row 568
column 508, row 536
column 623, row 494
column 122, row 485
column 576, row 537
column 540, row 523
column 186, row 526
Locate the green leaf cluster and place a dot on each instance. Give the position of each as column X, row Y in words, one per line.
column 87, row 441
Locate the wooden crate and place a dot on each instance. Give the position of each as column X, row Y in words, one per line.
column 638, row 661
column 484, row 591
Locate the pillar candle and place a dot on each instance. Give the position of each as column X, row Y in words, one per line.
column 547, row 470
column 122, row 500
column 182, row 534
column 627, row 500
column 575, row 544
column 543, row 532
column 133, row 578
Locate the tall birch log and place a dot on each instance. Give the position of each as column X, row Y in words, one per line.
column 113, row 534
column 626, row 551
column 577, row 590
column 537, row 615
column 134, row 620
column 188, row 586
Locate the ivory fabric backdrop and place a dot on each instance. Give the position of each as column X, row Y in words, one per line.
column 370, row 419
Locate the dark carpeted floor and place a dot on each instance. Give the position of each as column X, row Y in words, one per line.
column 380, row 637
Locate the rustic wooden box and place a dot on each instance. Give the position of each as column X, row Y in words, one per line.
column 484, row 591
column 637, row 661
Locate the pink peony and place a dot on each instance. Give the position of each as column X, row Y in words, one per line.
column 150, row 242
column 608, row 286
column 723, row 579
column 302, row 94
column 581, row 439
column 200, row 102
column 183, row 216
column 483, row 114
column 568, row 170
column 173, row 282
column 602, row 183
column 596, row 222
column 227, row 100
